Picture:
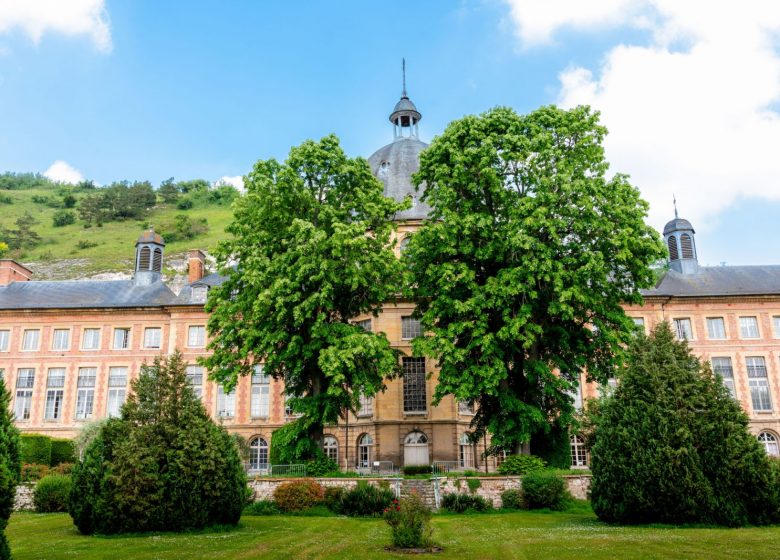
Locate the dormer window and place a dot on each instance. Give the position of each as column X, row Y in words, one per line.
column 199, row 294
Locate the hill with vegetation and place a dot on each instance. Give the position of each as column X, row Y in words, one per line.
column 63, row 231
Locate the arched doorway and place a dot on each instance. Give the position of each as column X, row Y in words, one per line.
column 465, row 451
column 258, row 454
column 365, row 443
column 416, row 449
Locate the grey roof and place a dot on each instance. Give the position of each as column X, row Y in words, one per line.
column 677, row 224
column 720, row 281
column 211, row 280
column 75, row 294
column 403, row 157
column 404, row 104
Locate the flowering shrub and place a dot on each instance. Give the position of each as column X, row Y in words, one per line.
column 410, row 522
column 299, row 495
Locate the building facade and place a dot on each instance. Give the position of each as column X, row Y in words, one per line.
column 68, row 350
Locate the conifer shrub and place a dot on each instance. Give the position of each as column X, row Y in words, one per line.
column 365, row 500
column 545, row 489
column 672, row 446
column 62, row 451
column 36, row 449
column 461, row 503
column 10, row 466
column 299, row 495
column 512, row 499
column 521, row 464
column 52, row 493
column 162, row 466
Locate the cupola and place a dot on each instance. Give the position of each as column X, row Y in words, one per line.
column 679, row 238
column 148, row 258
column 405, row 115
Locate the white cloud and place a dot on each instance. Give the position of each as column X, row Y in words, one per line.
column 691, row 106
column 62, row 172
column 236, row 181
column 70, row 17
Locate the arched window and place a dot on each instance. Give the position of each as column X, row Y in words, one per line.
column 687, row 246
column 330, row 446
column 157, row 264
column 769, row 441
column 579, row 457
column 404, row 244
column 466, row 451
column 145, row 258
column 258, row 454
column 672, row 243
column 415, row 438
column 365, row 443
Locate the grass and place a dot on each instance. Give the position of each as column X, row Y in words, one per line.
column 526, row 535
column 115, row 249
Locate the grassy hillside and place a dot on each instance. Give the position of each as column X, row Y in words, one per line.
column 67, row 251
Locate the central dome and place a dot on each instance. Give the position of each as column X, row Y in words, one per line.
column 394, row 165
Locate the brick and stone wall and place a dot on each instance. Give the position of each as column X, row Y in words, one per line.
column 263, row 488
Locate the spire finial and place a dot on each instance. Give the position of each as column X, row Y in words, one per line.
column 403, row 71
column 674, row 199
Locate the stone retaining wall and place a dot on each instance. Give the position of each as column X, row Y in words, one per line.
column 263, row 488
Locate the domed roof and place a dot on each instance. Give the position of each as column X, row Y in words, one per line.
column 677, row 224
column 404, row 104
column 150, row 236
column 394, row 165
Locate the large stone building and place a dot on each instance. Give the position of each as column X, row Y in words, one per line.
column 68, row 349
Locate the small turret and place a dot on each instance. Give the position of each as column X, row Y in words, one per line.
column 679, row 237
column 148, row 258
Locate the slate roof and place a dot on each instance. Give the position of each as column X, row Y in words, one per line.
column 74, row 294
column 677, row 224
column 403, row 155
column 720, row 281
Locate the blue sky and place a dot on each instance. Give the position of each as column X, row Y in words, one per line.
column 150, row 90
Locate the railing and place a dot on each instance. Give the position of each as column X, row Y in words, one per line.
column 441, row 468
column 275, row 470
column 377, row 468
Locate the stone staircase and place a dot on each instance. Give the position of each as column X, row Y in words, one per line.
column 423, row 487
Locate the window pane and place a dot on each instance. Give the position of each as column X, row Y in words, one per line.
column 196, row 337
column 748, row 327
column 331, row 448
column 775, row 323
column 365, row 324
column 683, row 329
column 25, row 378
column 758, row 383
column 260, row 404
column 366, row 406
column 91, row 340
column 716, row 328
column 226, row 403
column 121, row 339
column 117, row 377
column 195, row 379
column 722, row 367
column 31, row 339
column 4, row 336
column 414, row 385
column 410, row 328
column 56, row 378
column 53, row 409
column 152, row 337
column 61, row 339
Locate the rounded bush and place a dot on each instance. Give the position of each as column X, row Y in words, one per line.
column 512, row 499
column 299, row 495
column 521, row 464
column 365, row 500
column 461, row 503
column 36, row 448
column 52, row 493
column 545, row 490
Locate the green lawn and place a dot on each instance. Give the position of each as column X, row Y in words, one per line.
column 528, row 535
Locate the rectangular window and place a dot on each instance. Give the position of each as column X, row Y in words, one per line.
column 226, row 403
column 91, row 339
column 4, row 338
column 196, row 336
column 682, row 328
column 365, row 324
column 748, row 327
column 466, row 407
column 639, row 322
column 152, row 337
column 195, row 379
column 722, row 367
column 415, row 399
column 60, row 339
column 54, row 393
column 25, row 379
column 366, row 406
column 117, row 390
column 759, row 384
column 410, row 328
column 260, row 405
column 716, row 328
column 31, row 340
column 775, row 324
column 85, row 398
column 576, row 394
column 121, row 339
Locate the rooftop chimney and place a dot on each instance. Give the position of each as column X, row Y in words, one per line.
column 196, row 265
column 12, row 271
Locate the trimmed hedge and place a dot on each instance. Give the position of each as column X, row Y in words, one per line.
column 543, row 489
column 416, row 469
column 521, row 464
column 36, row 449
column 52, row 493
column 62, row 451
column 461, row 503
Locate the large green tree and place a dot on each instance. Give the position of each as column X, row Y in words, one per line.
column 672, row 446
column 311, row 243
column 523, row 266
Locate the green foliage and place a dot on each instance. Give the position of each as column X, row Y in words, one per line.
column 32, row 472
column 24, row 181
column 52, row 493
column 672, row 446
column 321, row 466
column 312, row 241
column 63, row 218
column 521, row 464
column 553, row 445
column 169, row 191
column 184, row 227
column 527, row 246
column 410, row 522
column 163, row 466
column 298, row 495
column 544, row 489
column 185, row 204
column 364, row 500
column 291, row 444
column 416, row 469
column 119, row 201
column 62, row 451
column 456, row 502
column 512, row 499
column 474, row 484
column 23, row 236
column 3, row 249
column 333, row 496
column 262, row 507
column 36, row 448
column 86, row 244
column 5, row 199
column 10, row 465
